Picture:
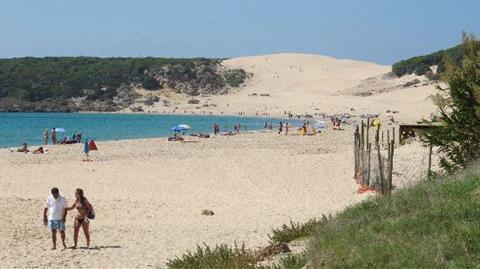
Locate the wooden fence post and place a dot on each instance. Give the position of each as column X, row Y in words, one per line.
column 390, row 183
column 369, row 151
column 388, row 137
column 393, row 135
column 362, row 154
column 355, row 150
column 380, row 168
column 429, row 168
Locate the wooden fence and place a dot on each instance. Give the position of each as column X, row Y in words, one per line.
column 381, row 179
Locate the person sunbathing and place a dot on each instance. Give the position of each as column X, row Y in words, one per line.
column 175, row 137
column 38, row 151
column 24, row 148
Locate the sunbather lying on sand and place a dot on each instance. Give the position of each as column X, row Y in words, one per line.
column 201, row 135
column 38, row 151
column 24, row 148
column 175, row 138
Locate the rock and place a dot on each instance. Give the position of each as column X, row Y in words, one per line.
column 273, row 250
column 208, row 212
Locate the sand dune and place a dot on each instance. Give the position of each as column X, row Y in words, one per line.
column 309, row 84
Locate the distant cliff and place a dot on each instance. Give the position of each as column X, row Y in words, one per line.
column 105, row 84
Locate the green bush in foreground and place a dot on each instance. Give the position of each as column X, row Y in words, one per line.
column 430, row 225
column 294, row 231
column 221, row 256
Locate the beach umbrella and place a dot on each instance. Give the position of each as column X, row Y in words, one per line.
column 319, row 124
column 180, row 128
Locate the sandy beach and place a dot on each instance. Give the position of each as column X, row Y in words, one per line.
column 149, row 194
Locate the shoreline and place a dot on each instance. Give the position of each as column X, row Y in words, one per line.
column 291, row 120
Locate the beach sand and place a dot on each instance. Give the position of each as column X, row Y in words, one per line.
column 149, row 194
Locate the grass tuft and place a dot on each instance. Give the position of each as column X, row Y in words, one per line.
column 220, row 256
column 295, row 230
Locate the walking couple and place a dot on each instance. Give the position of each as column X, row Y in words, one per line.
column 55, row 214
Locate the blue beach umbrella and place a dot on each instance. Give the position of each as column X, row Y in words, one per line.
column 180, row 128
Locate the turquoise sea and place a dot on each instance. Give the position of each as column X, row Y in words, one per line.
column 18, row 128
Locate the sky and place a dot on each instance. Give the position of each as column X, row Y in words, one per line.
column 377, row 31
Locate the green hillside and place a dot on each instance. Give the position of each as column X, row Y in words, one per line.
column 38, row 81
column 420, row 65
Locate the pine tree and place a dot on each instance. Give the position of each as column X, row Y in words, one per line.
column 458, row 139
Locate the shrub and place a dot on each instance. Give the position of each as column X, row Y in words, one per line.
column 221, row 256
column 457, row 139
column 193, row 101
column 294, row 231
column 411, row 83
column 422, row 69
column 150, row 83
column 151, row 99
column 235, row 77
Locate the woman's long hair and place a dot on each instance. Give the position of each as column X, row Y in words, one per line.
column 80, row 193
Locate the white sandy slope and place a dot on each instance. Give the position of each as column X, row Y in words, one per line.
column 308, row 84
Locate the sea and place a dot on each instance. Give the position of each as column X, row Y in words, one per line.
column 18, row 128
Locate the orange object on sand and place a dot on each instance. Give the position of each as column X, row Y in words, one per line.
column 92, row 145
column 363, row 189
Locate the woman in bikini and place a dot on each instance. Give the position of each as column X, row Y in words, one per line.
column 81, row 219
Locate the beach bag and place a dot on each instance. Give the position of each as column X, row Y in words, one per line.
column 91, row 212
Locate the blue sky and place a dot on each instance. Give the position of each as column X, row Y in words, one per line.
column 377, row 31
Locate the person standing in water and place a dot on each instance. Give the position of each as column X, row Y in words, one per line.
column 54, row 136
column 45, row 136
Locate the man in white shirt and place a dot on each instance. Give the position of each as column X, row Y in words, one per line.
column 55, row 213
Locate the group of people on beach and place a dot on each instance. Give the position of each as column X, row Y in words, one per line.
column 76, row 138
column 24, row 149
column 236, row 129
column 283, row 127
column 53, row 136
column 55, row 216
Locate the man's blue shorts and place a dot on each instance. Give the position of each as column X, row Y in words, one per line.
column 56, row 225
